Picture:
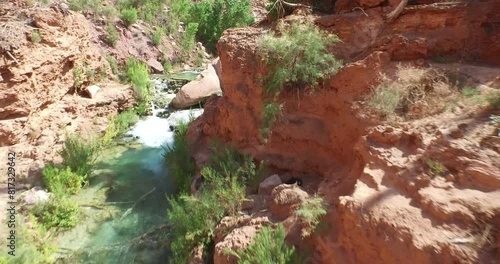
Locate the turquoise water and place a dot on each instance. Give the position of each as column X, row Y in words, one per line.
column 129, row 200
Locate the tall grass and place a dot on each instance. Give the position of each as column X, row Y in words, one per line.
column 138, row 74
column 118, row 125
column 268, row 247
column 79, row 153
column 178, row 159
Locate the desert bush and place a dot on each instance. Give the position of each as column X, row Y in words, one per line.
column 62, row 181
column 271, row 112
column 58, row 212
column 469, row 91
column 79, row 153
column 494, row 99
column 78, row 79
column 128, row 16
column 188, row 39
column 178, row 159
column 213, row 17
column 35, row 36
column 227, row 160
column 138, row 74
column 268, row 247
column 310, row 211
column 435, row 168
column 194, row 218
column 113, row 64
column 158, row 36
column 113, row 35
column 385, row 99
column 32, row 244
column 298, row 56
column 415, row 92
column 119, row 124
column 108, row 12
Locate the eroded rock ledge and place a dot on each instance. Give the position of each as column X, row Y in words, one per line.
column 384, row 206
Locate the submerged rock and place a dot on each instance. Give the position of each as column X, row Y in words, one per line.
column 198, row 91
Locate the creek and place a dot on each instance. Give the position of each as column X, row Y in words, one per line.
column 124, row 206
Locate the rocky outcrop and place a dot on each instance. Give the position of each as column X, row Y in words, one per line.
column 388, row 207
column 198, row 90
column 39, row 103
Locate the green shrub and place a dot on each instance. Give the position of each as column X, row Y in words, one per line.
column 268, row 247
column 470, row 92
column 158, row 36
column 138, row 74
column 59, row 212
column 109, row 13
column 188, row 39
column 141, row 108
column 128, row 16
column 78, row 154
column 435, row 167
column 62, row 181
column 385, row 100
column 271, row 112
column 311, row 210
column 225, row 159
column 297, row 57
column 113, row 64
column 494, row 99
column 113, row 36
column 118, row 125
column 213, row 17
column 78, row 79
column 78, row 5
column 35, row 36
column 33, row 245
column 178, row 159
column 193, row 218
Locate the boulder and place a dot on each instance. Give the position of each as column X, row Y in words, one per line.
column 197, row 91
column 285, row 200
column 92, row 90
column 218, row 69
column 34, row 196
column 267, row 186
column 155, row 65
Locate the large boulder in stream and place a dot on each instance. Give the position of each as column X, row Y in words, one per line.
column 198, row 90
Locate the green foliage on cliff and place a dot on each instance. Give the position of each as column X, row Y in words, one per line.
column 138, row 74
column 188, row 39
column 212, row 17
column 128, row 16
column 178, row 159
column 268, row 247
column 297, row 56
column 59, row 212
column 119, row 124
column 310, row 211
column 271, row 112
column 79, row 153
column 194, row 218
column 62, row 181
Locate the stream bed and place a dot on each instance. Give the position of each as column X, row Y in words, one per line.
column 124, row 207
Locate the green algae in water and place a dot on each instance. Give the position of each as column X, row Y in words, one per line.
column 134, row 184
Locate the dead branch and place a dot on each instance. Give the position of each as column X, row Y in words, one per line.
column 12, row 57
column 140, row 199
column 396, row 12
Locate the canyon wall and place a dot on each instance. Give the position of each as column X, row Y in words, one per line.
column 384, row 207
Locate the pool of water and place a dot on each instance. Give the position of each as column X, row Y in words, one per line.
column 124, row 207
